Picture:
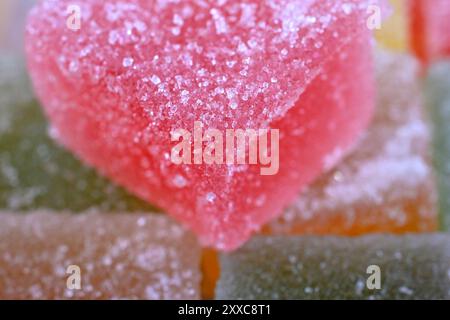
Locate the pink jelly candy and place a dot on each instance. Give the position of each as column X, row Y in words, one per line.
column 430, row 28
column 124, row 84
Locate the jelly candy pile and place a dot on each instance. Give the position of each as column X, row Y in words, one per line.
column 352, row 178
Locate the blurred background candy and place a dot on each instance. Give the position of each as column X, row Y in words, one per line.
column 408, row 267
column 119, row 256
column 429, row 28
column 394, row 34
column 437, row 87
column 12, row 23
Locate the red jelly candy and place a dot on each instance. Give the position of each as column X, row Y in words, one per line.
column 430, row 28
column 126, row 84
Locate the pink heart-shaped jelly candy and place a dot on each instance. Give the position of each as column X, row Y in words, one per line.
column 121, row 80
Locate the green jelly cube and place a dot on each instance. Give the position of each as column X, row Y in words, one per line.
column 369, row 267
column 438, row 99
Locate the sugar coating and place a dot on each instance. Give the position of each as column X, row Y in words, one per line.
column 411, row 267
column 35, row 172
column 120, row 256
column 438, row 100
column 241, row 34
column 429, row 24
column 386, row 184
column 136, row 71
